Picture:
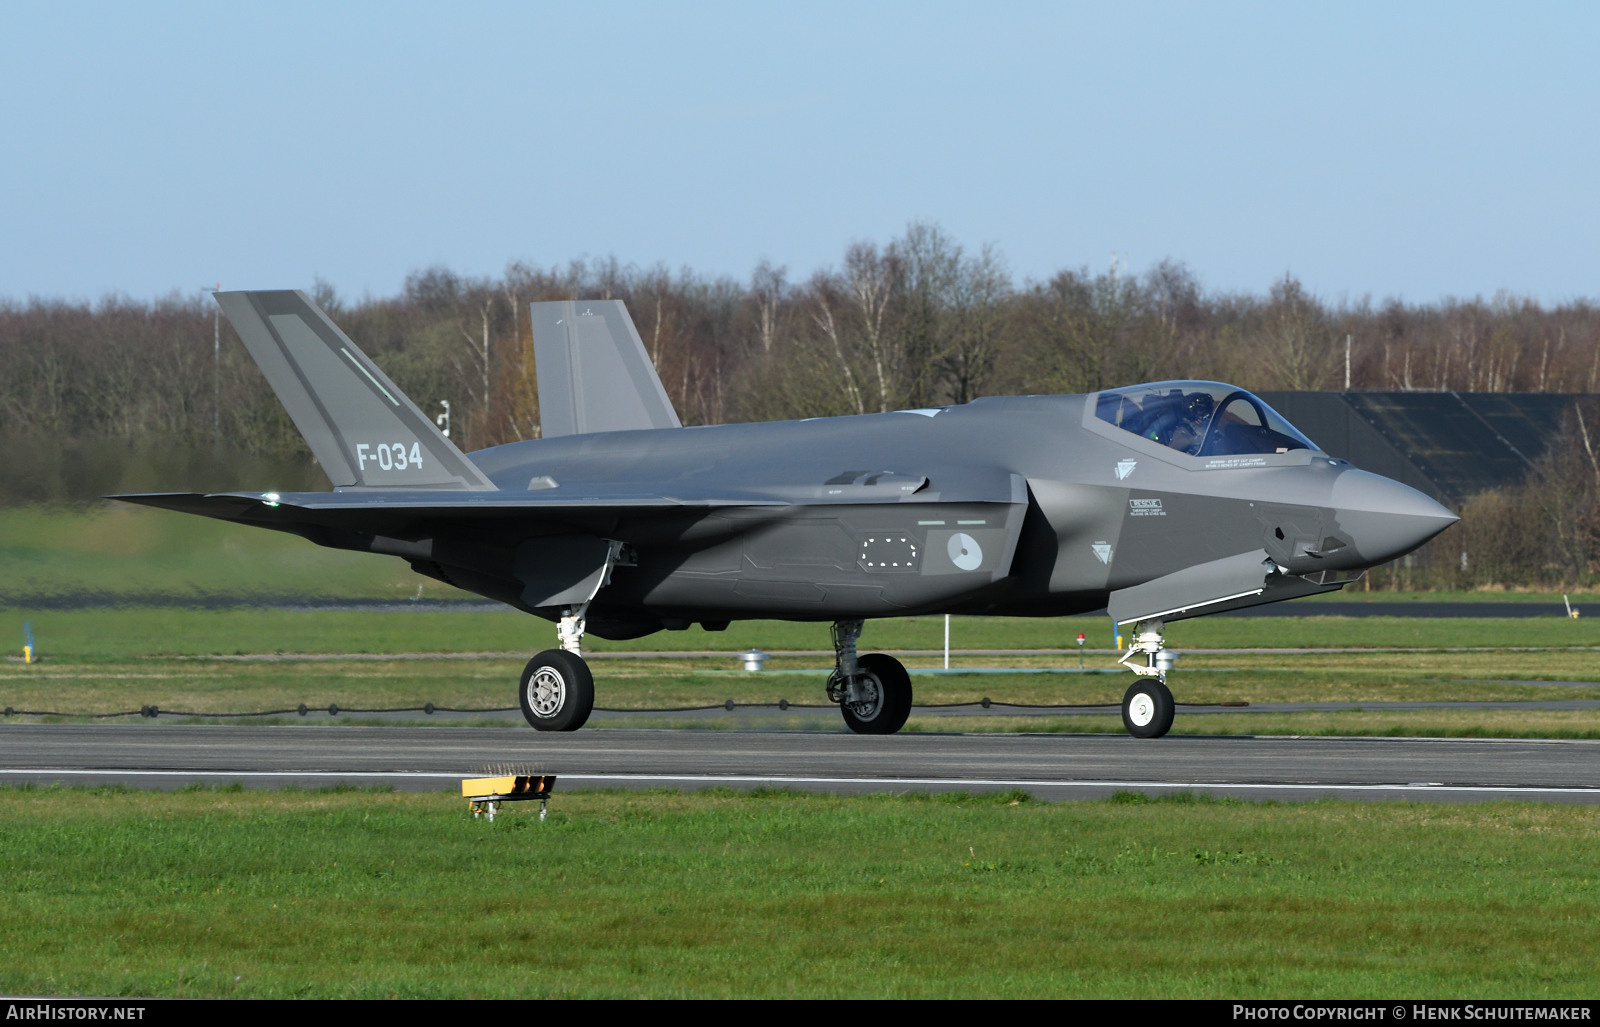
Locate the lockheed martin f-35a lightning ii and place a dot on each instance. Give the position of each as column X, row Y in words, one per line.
column 1157, row 502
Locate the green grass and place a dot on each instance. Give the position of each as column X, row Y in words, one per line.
column 110, row 660
column 364, row 894
column 119, row 633
column 1357, row 593
column 120, row 549
column 232, row 686
column 106, row 659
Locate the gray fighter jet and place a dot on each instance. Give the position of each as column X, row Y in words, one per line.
column 1157, row 502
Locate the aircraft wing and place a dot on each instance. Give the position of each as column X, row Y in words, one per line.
column 548, row 547
column 596, row 507
column 546, row 498
column 413, row 513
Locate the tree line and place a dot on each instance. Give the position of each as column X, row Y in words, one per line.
column 920, row 320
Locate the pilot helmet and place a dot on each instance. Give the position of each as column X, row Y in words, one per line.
column 1199, row 407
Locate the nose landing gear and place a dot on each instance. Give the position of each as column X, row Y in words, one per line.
column 1147, row 709
column 1147, row 706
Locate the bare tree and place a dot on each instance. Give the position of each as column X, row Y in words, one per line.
column 975, row 321
column 1085, row 333
column 869, row 281
column 825, row 298
column 1296, row 345
column 481, row 353
column 769, row 288
column 519, row 392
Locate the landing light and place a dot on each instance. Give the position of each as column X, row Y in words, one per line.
column 269, row 498
column 485, row 794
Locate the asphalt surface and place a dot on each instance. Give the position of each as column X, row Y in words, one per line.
column 1048, row 766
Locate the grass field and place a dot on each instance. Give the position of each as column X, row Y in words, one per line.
column 105, row 659
column 101, row 661
column 104, row 633
column 194, row 684
column 362, row 894
column 234, row 893
column 120, row 549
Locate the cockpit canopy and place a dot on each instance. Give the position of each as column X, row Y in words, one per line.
column 1200, row 418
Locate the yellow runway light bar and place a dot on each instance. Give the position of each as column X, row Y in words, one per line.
column 484, row 794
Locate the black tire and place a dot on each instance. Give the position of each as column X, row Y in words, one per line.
column 887, row 678
column 1147, row 709
column 557, row 691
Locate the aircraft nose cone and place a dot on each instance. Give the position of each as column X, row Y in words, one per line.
column 1385, row 518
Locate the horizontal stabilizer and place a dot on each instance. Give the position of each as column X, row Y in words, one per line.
column 359, row 425
column 594, row 373
column 222, row 507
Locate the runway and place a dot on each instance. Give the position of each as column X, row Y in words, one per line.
column 1052, row 767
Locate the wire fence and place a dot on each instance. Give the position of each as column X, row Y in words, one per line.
column 429, row 709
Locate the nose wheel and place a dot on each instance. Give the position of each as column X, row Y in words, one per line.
column 1147, row 706
column 1147, row 709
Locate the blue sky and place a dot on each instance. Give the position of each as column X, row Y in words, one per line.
column 1418, row 150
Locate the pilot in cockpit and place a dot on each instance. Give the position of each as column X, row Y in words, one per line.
column 1200, row 419
column 1190, row 431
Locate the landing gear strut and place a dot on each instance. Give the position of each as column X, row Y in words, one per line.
column 557, row 689
column 1147, row 706
column 873, row 691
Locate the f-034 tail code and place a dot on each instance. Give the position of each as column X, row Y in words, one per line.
column 391, row 456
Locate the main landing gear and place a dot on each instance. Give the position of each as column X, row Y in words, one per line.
column 1147, row 706
column 873, row 691
column 557, row 692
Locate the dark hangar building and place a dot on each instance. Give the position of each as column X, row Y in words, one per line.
column 1450, row 445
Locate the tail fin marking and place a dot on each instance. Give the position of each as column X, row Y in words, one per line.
column 359, row 425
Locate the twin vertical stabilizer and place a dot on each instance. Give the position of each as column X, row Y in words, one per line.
column 594, row 373
column 594, row 376
column 359, row 425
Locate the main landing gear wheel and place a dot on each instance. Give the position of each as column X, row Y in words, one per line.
column 557, row 691
column 1147, row 709
column 885, row 701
